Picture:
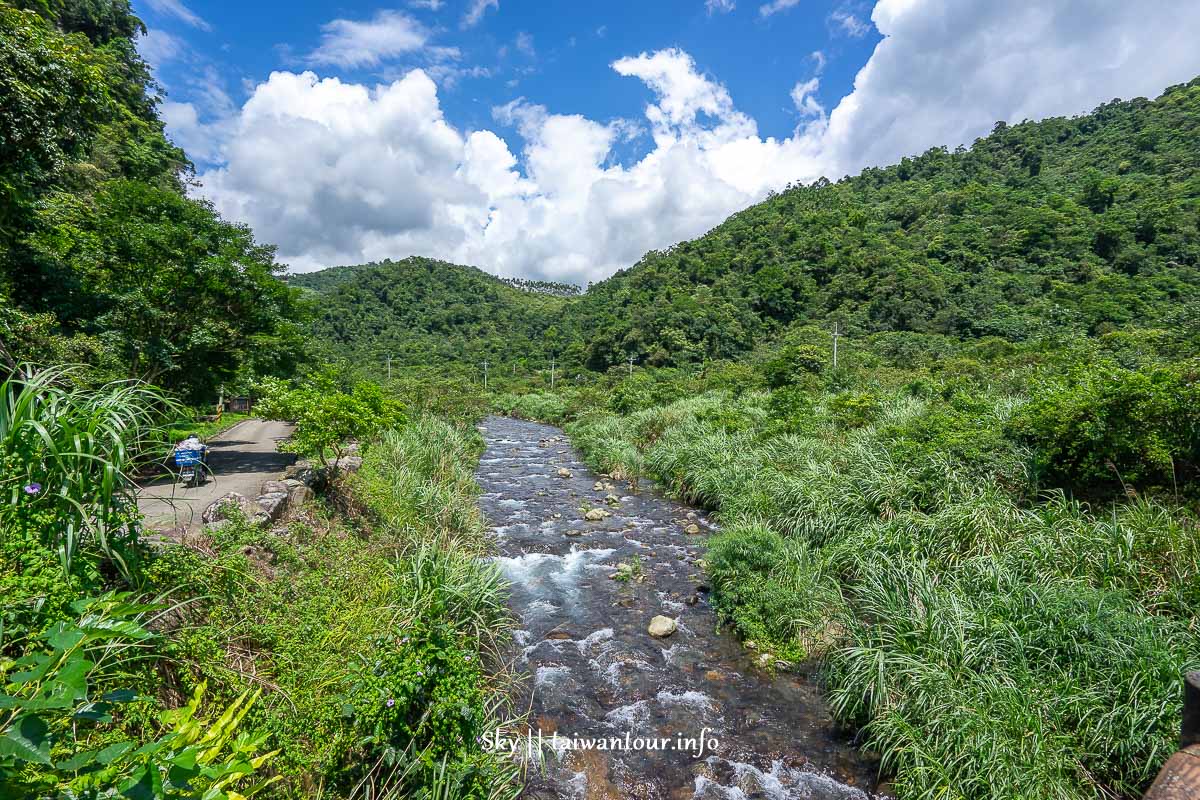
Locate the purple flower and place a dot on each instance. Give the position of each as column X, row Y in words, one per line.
column 33, row 488
column 390, row 702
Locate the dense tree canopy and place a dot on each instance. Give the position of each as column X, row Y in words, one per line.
column 421, row 311
column 103, row 258
column 1066, row 225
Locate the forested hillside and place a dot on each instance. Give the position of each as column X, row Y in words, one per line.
column 1064, row 227
column 421, row 311
column 104, row 260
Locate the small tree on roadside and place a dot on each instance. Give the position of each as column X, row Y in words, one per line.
column 328, row 418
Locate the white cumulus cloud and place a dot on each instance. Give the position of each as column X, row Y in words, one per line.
column 946, row 70
column 337, row 173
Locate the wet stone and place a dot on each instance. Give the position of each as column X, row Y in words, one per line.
column 661, row 626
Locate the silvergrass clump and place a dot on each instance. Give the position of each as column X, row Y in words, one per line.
column 988, row 642
column 418, row 484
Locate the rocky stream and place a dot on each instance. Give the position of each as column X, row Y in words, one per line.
column 685, row 711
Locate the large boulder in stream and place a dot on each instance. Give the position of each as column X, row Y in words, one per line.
column 662, row 627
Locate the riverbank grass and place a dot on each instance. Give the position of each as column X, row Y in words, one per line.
column 377, row 636
column 988, row 641
column 352, row 652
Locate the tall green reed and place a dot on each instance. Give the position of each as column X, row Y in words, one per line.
column 66, row 454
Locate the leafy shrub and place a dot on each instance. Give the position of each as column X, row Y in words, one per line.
column 854, row 409
column 421, row 692
column 966, row 432
column 328, row 418
column 634, row 394
column 51, row 722
column 793, row 364
column 731, row 376
column 1102, row 424
column 791, row 410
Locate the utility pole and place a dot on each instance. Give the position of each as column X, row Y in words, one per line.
column 552, row 365
column 485, row 375
column 835, row 338
column 631, row 366
column 389, row 368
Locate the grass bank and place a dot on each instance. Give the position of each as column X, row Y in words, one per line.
column 376, row 638
column 990, row 641
column 350, row 653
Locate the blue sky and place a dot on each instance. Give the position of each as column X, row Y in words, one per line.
column 553, row 53
column 563, row 141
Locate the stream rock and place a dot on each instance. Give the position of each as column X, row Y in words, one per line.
column 596, row 515
column 298, row 493
column 662, row 627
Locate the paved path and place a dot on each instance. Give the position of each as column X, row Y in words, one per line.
column 241, row 458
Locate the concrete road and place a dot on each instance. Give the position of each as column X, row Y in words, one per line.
column 240, row 460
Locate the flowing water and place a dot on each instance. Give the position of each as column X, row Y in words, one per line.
column 709, row 721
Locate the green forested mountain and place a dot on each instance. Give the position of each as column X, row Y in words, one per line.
column 1070, row 226
column 422, row 311
column 104, row 260
column 1066, row 227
